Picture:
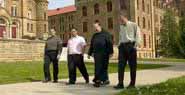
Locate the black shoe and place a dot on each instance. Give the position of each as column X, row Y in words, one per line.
column 55, row 81
column 46, row 81
column 107, row 82
column 119, row 86
column 94, row 80
column 87, row 81
column 70, row 83
column 131, row 86
column 96, row 85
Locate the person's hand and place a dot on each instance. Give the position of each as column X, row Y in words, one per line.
column 58, row 56
column 88, row 56
column 111, row 55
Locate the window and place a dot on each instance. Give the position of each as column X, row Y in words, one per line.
column 138, row 4
column 96, row 9
column 45, row 16
column 14, row 10
column 150, row 42
column 28, row 27
column 45, row 28
column 138, row 20
column 30, row 14
column 110, row 23
column 144, row 22
column 109, row 6
column 122, row 4
column 32, row 27
column 84, row 11
column 143, row 5
column 85, row 27
column 144, row 39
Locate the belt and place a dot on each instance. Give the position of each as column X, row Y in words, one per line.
column 128, row 43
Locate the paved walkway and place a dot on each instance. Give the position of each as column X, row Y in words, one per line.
column 144, row 77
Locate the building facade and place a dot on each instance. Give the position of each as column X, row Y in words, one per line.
column 23, row 18
column 146, row 13
column 62, row 20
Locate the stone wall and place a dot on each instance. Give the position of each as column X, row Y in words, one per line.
column 21, row 50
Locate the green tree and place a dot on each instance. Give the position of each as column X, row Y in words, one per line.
column 168, row 35
column 181, row 37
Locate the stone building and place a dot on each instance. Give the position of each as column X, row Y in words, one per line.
column 23, row 18
column 146, row 13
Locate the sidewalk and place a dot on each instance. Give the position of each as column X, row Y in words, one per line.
column 144, row 77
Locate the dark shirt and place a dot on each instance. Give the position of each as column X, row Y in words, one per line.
column 53, row 43
column 101, row 43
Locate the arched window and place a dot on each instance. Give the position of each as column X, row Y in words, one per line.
column 30, row 14
column 96, row 9
column 110, row 23
column 85, row 26
column 109, row 6
column 14, row 10
column 122, row 4
column 143, row 5
column 84, row 11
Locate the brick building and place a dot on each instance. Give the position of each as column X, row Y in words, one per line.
column 20, row 18
column 146, row 13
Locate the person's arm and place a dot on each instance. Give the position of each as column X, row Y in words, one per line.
column 138, row 36
column 59, row 46
column 91, row 47
column 109, row 42
column 83, row 45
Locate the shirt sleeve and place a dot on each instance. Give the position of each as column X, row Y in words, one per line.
column 138, row 35
column 91, row 46
column 83, row 42
column 60, row 45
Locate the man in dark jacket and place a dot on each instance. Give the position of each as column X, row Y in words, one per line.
column 101, row 49
column 53, row 50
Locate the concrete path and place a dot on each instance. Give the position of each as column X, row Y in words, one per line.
column 144, row 77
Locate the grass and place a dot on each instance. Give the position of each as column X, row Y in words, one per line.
column 164, row 60
column 15, row 72
column 171, row 87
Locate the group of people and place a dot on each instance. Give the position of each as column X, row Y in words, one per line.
column 101, row 49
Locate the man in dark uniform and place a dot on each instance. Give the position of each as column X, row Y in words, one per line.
column 101, row 49
column 53, row 50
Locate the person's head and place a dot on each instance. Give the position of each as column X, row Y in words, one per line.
column 74, row 32
column 53, row 32
column 123, row 18
column 97, row 26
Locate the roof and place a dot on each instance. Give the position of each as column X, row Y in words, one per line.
column 61, row 10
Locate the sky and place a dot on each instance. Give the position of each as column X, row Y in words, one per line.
column 53, row 4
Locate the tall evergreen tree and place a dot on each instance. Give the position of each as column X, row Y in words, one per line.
column 182, row 36
column 168, row 35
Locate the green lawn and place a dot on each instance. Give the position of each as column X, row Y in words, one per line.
column 164, row 60
column 171, row 87
column 14, row 72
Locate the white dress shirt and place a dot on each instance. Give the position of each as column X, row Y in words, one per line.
column 75, row 45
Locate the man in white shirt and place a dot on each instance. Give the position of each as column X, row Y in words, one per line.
column 76, row 48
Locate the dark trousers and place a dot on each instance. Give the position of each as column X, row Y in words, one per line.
column 127, row 53
column 76, row 60
column 51, row 56
column 101, row 66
